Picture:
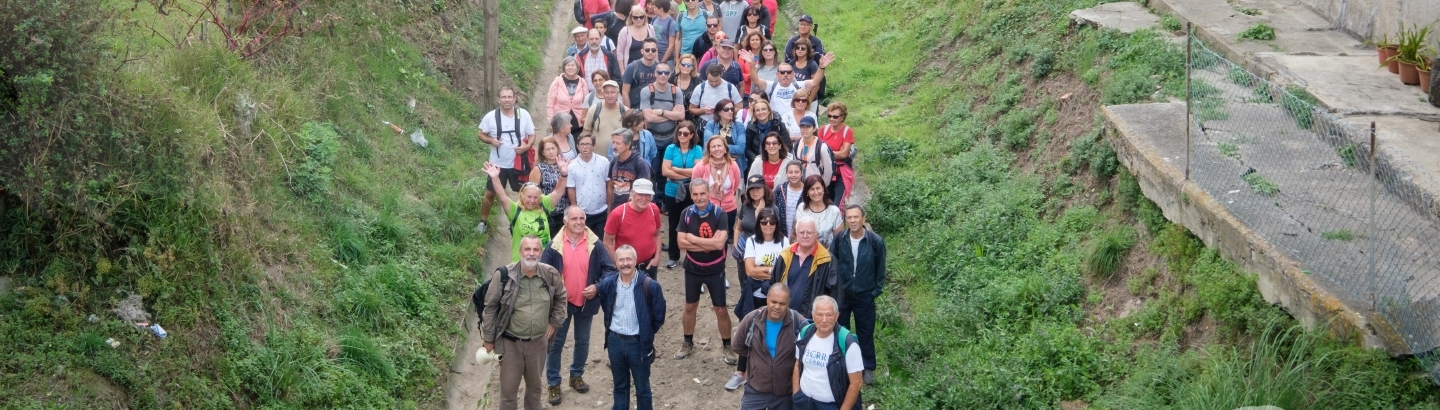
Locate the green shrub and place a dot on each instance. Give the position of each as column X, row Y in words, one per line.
column 311, row 178
column 1301, row 105
column 1170, row 23
column 1107, row 252
column 892, row 151
column 1015, row 128
column 1259, row 31
column 368, row 357
column 1042, row 64
column 1260, row 185
column 1347, row 154
column 1127, row 87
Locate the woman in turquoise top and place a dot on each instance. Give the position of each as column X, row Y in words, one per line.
column 692, row 24
column 531, row 213
column 680, row 159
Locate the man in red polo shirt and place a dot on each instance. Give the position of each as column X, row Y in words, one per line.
column 637, row 223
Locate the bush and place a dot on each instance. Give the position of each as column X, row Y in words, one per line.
column 892, row 151
column 1107, row 252
column 311, row 179
column 1259, row 31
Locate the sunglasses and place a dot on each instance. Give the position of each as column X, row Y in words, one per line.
column 662, row 72
column 649, row 50
column 786, row 71
column 727, row 109
column 770, row 222
column 800, row 100
column 637, row 17
column 833, row 116
column 685, row 133
column 769, row 143
column 711, row 25
column 687, row 65
column 770, row 49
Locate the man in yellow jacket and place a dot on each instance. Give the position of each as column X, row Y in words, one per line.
column 807, row 269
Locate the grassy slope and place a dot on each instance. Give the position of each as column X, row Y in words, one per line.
column 318, row 261
column 1008, row 223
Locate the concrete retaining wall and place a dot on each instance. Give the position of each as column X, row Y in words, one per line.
column 1373, row 18
column 1282, row 280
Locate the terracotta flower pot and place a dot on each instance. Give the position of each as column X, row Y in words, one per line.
column 1394, row 65
column 1384, row 53
column 1424, row 81
column 1408, row 74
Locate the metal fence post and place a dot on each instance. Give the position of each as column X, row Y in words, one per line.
column 1374, row 191
column 1189, row 38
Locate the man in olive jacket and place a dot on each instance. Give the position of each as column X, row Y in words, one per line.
column 764, row 342
column 523, row 312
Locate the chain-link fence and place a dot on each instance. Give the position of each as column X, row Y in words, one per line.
column 1318, row 187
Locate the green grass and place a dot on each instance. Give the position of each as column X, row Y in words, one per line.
column 1338, row 235
column 989, row 299
column 316, row 261
column 1260, row 185
column 1228, row 149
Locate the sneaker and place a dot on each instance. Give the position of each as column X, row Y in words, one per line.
column 736, row 380
column 869, row 377
column 578, row 383
column 554, row 395
column 729, row 355
column 480, row 229
column 686, row 348
column 671, row 264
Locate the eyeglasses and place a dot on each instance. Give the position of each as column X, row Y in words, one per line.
column 770, row 49
column 586, row 144
column 833, row 116
column 786, row 71
column 769, row 143
column 662, row 72
column 800, row 100
column 649, row 50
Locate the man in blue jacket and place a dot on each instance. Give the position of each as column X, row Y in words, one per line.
column 634, row 311
column 861, row 263
column 576, row 253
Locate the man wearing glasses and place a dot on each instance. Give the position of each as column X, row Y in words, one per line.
column 806, row 268
column 705, row 42
column 783, row 90
column 663, row 108
column 640, row 73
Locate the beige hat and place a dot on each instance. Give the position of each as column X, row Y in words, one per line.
column 579, row 29
column 642, row 186
column 610, row 83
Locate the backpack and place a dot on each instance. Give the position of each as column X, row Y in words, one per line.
column 672, row 124
column 523, row 162
column 580, row 11
column 842, row 336
column 595, row 114
column 478, row 298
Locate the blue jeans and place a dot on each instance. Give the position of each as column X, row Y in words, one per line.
column 630, row 362
column 582, row 345
column 800, row 401
column 863, row 308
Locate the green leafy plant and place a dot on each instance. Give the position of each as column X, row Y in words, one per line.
column 1300, row 104
column 1108, row 252
column 1261, row 185
column 1228, row 149
column 1259, row 31
column 1411, row 45
column 1170, row 23
column 1347, row 154
column 892, row 151
column 311, row 179
column 1338, row 235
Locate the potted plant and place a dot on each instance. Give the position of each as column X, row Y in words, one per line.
column 1408, row 51
column 1384, row 48
column 1423, row 69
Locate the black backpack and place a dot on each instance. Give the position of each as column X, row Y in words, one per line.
column 478, row 298
column 580, row 11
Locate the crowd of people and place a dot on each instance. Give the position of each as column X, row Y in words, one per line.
column 671, row 145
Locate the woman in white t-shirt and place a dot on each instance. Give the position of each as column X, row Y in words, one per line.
column 815, row 355
column 829, row 221
column 761, row 252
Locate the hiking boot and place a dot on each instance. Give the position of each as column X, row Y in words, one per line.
column 869, row 377
column 578, row 383
column 729, row 356
column 554, row 395
column 736, row 380
column 686, row 348
column 480, row 229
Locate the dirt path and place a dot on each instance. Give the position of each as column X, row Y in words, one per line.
column 469, row 383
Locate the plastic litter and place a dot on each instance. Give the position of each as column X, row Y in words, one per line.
column 92, row 318
column 418, row 137
column 158, row 331
column 394, row 127
column 114, row 344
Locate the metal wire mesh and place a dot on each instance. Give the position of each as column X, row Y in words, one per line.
column 1357, row 215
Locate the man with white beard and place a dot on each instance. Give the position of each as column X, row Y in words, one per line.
column 523, row 312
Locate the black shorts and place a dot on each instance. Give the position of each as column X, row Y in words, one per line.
column 714, row 283
column 508, row 177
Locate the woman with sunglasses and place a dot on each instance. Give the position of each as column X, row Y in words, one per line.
column 763, row 122
column 632, row 38
column 679, row 164
column 687, row 78
column 754, row 24
column 529, row 215
column 547, row 171
column 841, row 140
column 806, row 63
column 799, row 109
column 725, row 128
column 692, row 24
column 771, row 159
column 754, row 201
column 815, row 204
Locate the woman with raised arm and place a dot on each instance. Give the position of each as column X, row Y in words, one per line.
column 530, row 214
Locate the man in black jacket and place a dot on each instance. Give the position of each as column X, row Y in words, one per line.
column 575, row 243
column 860, row 258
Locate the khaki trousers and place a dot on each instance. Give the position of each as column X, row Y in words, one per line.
column 521, row 360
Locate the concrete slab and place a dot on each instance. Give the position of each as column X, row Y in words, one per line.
column 1351, row 84
column 1322, row 282
column 1124, row 16
column 1297, row 28
column 1407, row 148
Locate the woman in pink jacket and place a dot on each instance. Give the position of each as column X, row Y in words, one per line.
column 567, row 92
column 720, row 169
